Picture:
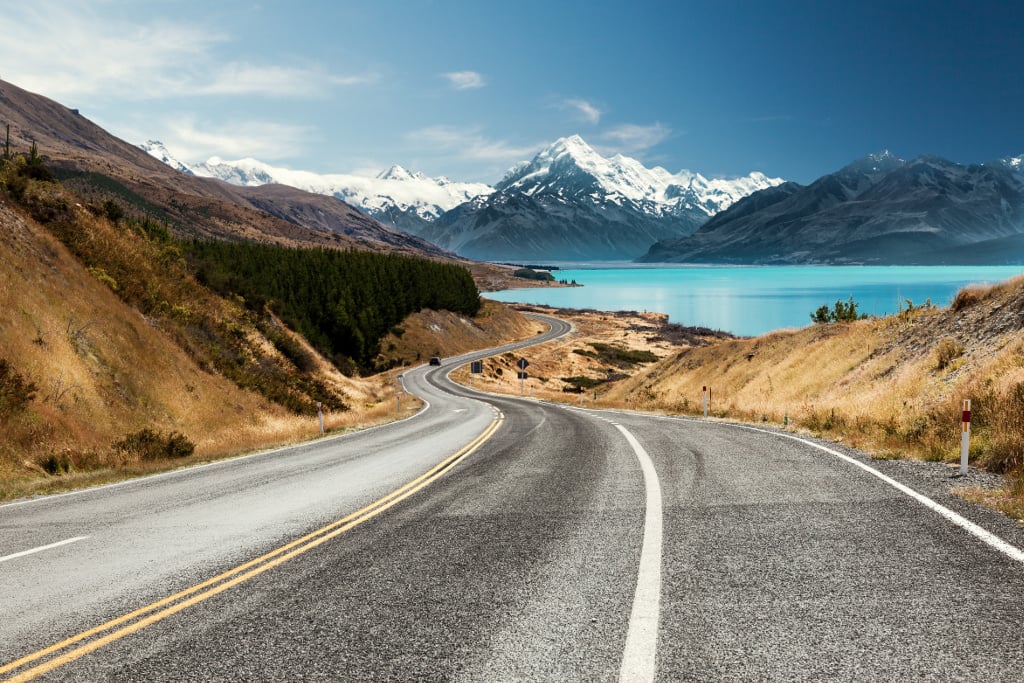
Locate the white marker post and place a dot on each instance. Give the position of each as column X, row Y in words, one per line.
column 704, row 393
column 965, row 437
column 320, row 416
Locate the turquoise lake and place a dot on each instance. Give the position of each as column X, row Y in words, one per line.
column 756, row 299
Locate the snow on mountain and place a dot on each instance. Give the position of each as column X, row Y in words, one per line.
column 1013, row 163
column 156, row 149
column 572, row 166
column 617, row 190
column 396, row 188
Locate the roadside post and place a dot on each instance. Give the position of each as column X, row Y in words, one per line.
column 320, row 416
column 706, row 395
column 965, row 436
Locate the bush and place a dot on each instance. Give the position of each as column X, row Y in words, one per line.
column 946, row 352
column 531, row 274
column 617, row 355
column 15, row 390
column 841, row 312
column 149, row 444
column 968, row 296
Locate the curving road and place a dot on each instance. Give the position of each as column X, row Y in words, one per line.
column 492, row 538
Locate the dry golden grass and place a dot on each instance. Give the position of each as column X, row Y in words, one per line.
column 103, row 370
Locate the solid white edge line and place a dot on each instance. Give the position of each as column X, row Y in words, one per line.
column 41, row 548
column 639, row 656
column 975, row 530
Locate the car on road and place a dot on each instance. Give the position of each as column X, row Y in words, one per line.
column 435, row 360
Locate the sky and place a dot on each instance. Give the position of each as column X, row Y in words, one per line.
column 467, row 88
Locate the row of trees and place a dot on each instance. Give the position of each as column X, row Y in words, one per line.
column 342, row 302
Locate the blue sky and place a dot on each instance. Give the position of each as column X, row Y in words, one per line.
column 467, row 88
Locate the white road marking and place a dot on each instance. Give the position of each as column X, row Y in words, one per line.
column 640, row 654
column 41, row 548
column 1011, row 551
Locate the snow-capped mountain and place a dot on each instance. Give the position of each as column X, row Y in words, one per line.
column 156, row 149
column 568, row 202
column 572, row 167
column 571, row 203
column 395, row 196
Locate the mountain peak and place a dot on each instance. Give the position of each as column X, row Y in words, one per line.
column 396, row 172
column 159, row 151
column 876, row 162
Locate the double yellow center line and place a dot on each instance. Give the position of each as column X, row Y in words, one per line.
column 93, row 639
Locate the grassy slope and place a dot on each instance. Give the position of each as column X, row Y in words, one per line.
column 102, row 370
column 878, row 384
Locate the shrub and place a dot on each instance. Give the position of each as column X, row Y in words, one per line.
column 617, row 355
column 841, row 312
column 15, row 390
column 946, row 352
column 968, row 296
column 149, row 444
column 103, row 277
column 531, row 274
column 56, row 463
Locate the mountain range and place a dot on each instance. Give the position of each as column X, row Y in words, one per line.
column 396, row 196
column 880, row 209
column 99, row 165
column 568, row 203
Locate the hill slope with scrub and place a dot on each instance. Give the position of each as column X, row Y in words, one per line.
column 893, row 385
column 115, row 358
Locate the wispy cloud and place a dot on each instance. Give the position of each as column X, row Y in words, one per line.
column 630, row 138
column 465, row 80
column 191, row 140
column 587, row 111
column 469, row 144
column 75, row 51
column 274, row 81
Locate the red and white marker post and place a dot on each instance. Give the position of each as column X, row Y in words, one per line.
column 965, row 437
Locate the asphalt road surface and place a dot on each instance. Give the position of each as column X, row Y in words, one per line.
column 492, row 539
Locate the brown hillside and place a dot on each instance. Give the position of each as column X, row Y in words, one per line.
column 80, row 368
column 98, row 165
column 102, row 370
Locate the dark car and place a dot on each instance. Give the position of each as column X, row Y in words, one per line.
column 435, row 360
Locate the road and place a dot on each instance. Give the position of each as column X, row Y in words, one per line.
column 550, row 543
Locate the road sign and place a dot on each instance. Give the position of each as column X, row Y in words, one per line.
column 524, row 375
column 476, row 367
column 523, row 363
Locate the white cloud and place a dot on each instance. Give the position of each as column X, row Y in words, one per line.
column 470, row 144
column 465, row 80
column 587, row 111
column 264, row 140
column 274, row 81
column 630, row 138
column 74, row 51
